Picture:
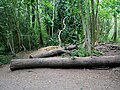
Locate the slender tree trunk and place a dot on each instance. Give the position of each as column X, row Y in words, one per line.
column 39, row 27
column 28, row 15
column 93, row 37
column 10, row 41
column 115, row 28
column 33, row 13
column 29, row 25
column 96, row 22
column 88, row 25
column 53, row 17
column 83, row 23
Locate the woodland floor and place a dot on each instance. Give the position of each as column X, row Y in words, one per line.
column 62, row 79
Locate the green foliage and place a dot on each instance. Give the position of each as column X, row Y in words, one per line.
column 44, row 32
column 97, row 53
column 80, row 53
column 53, row 41
column 118, row 40
column 2, row 49
column 107, row 10
column 24, row 24
column 4, row 59
column 112, row 6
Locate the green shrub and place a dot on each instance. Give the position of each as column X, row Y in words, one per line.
column 4, row 59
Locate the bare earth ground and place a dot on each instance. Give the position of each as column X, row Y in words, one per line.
column 61, row 79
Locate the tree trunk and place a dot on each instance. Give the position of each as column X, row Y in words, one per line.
column 58, row 62
column 39, row 25
column 84, row 24
column 28, row 15
column 93, row 36
column 53, row 17
column 33, row 13
column 85, row 16
column 96, row 23
column 115, row 28
column 48, row 53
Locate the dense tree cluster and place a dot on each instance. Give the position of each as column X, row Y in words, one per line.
column 30, row 24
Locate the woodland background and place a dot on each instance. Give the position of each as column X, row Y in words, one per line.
column 31, row 24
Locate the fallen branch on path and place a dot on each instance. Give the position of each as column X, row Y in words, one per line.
column 58, row 62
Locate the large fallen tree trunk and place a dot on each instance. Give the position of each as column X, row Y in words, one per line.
column 53, row 52
column 58, row 62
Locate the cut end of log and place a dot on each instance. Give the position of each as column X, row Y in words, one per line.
column 12, row 69
column 30, row 56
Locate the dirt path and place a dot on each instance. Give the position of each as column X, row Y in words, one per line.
column 61, row 79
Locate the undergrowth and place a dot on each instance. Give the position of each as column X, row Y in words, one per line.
column 82, row 52
column 4, row 59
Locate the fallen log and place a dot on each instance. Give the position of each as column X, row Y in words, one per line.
column 53, row 52
column 70, row 47
column 58, row 62
column 48, row 53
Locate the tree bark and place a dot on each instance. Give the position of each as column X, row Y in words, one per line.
column 39, row 24
column 96, row 22
column 48, row 53
column 53, row 52
column 93, row 36
column 115, row 28
column 33, row 13
column 58, row 62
